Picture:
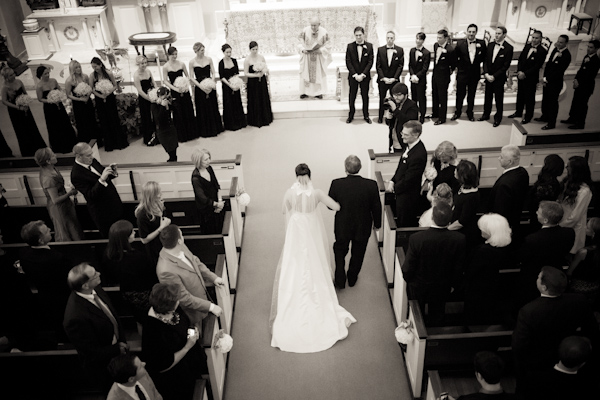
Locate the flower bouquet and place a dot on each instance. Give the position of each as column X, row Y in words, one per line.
column 82, row 89
column 23, row 101
column 207, row 85
column 243, row 198
column 182, row 84
column 259, row 67
column 222, row 342
column 104, row 86
column 56, row 96
column 153, row 95
column 236, row 82
column 404, row 333
column 430, row 173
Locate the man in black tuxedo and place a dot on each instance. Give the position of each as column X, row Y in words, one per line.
column 434, row 262
column 470, row 53
column 406, row 183
column 584, row 83
column 360, row 210
column 554, row 74
column 389, row 64
column 359, row 60
column 443, row 65
column 418, row 67
column 499, row 54
column 92, row 324
column 402, row 110
column 531, row 60
column 94, row 182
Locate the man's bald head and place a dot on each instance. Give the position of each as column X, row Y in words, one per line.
column 315, row 22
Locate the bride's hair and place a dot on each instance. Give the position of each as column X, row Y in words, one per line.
column 302, row 169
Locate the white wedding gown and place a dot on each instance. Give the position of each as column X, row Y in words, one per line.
column 305, row 314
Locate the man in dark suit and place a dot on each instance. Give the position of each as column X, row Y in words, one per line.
column 443, row 65
column 406, row 183
column 92, row 324
column 509, row 191
column 402, row 110
column 497, row 61
column 470, row 53
column 418, row 67
column 94, row 182
column 434, row 262
column 584, row 83
column 389, row 64
column 489, row 370
column 131, row 379
column 531, row 60
column 360, row 210
column 359, row 60
column 554, row 74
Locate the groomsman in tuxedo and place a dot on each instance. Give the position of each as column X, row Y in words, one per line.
column 584, row 83
column 528, row 74
column 389, row 64
column 359, row 60
column 418, row 66
column 443, row 65
column 497, row 61
column 470, row 53
column 554, row 73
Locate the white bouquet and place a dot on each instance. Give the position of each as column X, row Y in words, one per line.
column 82, row 89
column 153, row 94
column 404, row 333
column 23, row 100
column 104, row 86
column 182, row 84
column 222, row 342
column 207, row 85
column 430, row 173
column 55, row 96
column 243, row 198
column 236, row 82
column 259, row 66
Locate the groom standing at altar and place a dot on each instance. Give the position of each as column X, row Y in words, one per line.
column 359, row 60
column 360, row 209
column 315, row 56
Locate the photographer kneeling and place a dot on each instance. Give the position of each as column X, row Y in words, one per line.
column 398, row 110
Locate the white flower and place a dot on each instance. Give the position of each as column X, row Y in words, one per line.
column 419, row 54
column 430, row 173
column 222, row 342
column 82, row 89
column 404, row 333
column 55, row 96
column 153, row 95
column 182, row 83
column 478, row 45
column 259, row 66
column 23, row 100
column 208, row 85
column 104, row 86
column 444, row 51
column 236, row 82
column 243, row 199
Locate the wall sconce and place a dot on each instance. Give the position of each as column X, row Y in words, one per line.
column 515, row 9
column 146, row 4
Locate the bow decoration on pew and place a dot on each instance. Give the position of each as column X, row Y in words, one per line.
column 404, row 333
column 243, row 198
column 222, row 342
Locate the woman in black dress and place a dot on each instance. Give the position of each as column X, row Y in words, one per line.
column 206, row 191
column 26, row 130
column 60, row 131
column 259, row 101
column 207, row 109
column 150, row 218
column 466, row 203
column 83, row 106
column 183, row 110
column 546, row 187
column 233, row 111
column 165, row 131
column 106, row 106
column 143, row 81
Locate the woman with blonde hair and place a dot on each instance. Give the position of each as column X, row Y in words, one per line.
column 444, row 162
column 207, row 109
column 143, row 82
column 206, row 191
column 150, row 218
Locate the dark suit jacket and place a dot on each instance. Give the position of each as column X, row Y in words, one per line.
column 531, row 65
column 420, row 66
column 443, row 67
column 408, row 112
column 360, row 207
column 394, row 70
column 586, row 76
column 554, row 72
column 466, row 69
column 407, row 178
column 116, row 393
column 548, row 246
column 366, row 61
column 500, row 65
column 508, row 194
column 91, row 331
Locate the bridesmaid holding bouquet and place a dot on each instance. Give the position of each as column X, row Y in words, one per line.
column 233, row 111
column 259, row 102
column 143, row 81
column 79, row 91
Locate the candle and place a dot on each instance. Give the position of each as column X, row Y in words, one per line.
column 71, row 56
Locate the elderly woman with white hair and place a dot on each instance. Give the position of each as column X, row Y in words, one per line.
column 144, row 82
column 206, row 192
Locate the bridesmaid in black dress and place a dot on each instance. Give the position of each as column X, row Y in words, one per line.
column 233, row 111
column 143, row 81
column 106, row 106
column 183, row 110
column 207, row 109
column 27, row 132
column 83, row 106
column 60, row 131
column 259, row 102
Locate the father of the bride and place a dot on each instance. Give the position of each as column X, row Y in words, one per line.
column 360, row 208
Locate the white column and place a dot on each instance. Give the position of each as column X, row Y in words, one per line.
column 86, row 31
column 102, row 32
column 53, row 35
column 164, row 18
column 577, row 7
column 522, row 15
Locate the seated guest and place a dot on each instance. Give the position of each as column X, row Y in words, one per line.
column 150, row 218
column 482, row 274
column 466, row 202
column 488, row 372
column 131, row 268
column 584, row 271
column 47, row 270
column 546, row 187
column 169, row 344
column 443, row 193
column 131, row 379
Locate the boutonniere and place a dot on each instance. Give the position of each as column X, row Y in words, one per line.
column 405, row 155
column 586, row 59
column 501, row 47
column 418, row 53
column 559, row 54
column 478, row 45
column 534, row 50
column 394, row 51
column 444, row 51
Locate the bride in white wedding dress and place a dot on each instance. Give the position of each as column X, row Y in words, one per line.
column 305, row 314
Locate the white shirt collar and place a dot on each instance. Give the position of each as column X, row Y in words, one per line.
column 558, row 368
column 130, row 390
column 89, row 297
column 500, row 44
column 471, row 190
column 82, row 164
column 510, row 169
column 410, row 146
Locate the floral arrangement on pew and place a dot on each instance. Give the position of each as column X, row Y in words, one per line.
column 222, row 342
column 236, row 82
column 243, row 198
column 182, row 84
column 153, row 95
column 259, row 67
column 23, row 101
column 82, row 89
column 404, row 333
column 104, row 86
column 129, row 113
column 208, row 85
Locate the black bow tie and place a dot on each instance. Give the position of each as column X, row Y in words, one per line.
column 473, row 42
column 390, row 48
column 358, row 44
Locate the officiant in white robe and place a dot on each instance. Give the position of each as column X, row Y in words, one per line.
column 315, row 55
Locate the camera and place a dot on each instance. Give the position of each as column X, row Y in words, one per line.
column 386, row 103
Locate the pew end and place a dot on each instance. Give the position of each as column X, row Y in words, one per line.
column 217, row 361
column 200, row 392
column 381, row 188
column 224, row 299
column 399, row 293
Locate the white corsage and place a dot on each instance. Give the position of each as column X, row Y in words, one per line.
column 222, row 342
column 430, row 173
column 404, row 333
column 104, row 86
column 243, row 198
column 207, row 85
column 55, row 96
column 182, row 84
column 23, row 100
column 153, row 95
column 236, row 82
column 82, row 89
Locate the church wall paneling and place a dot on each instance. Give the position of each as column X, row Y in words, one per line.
column 187, row 20
column 129, row 19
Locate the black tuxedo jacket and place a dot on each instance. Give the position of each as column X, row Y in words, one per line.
column 586, row 76
column 554, row 72
column 531, row 65
column 419, row 66
column 394, row 70
column 466, row 68
column 508, row 194
column 443, row 67
column 366, row 61
column 500, row 65
column 407, row 178
column 360, row 207
column 408, row 112
column 91, row 331
column 548, row 246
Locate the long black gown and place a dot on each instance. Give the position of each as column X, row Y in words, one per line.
column 183, row 111
column 85, row 120
column 27, row 132
column 60, row 131
column 5, row 151
column 114, row 137
column 207, row 108
column 233, row 111
column 146, row 124
column 259, row 102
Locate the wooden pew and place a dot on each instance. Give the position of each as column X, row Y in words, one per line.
column 217, row 361
column 460, row 382
column 62, row 160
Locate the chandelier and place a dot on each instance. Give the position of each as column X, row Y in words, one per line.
column 146, row 4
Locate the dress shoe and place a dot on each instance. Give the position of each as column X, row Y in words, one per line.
column 439, row 122
column 546, row 127
column 349, row 120
column 320, row 97
column 483, row 118
column 368, row 120
column 422, row 120
column 525, row 121
column 470, row 116
column 380, row 120
column 303, row 96
column 339, row 285
column 454, row 117
column 566, row 121
column 515, row 115
column 429, row 116
column 576, row 127
column 496, row 124
column 540, row 119
column 352, row 282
